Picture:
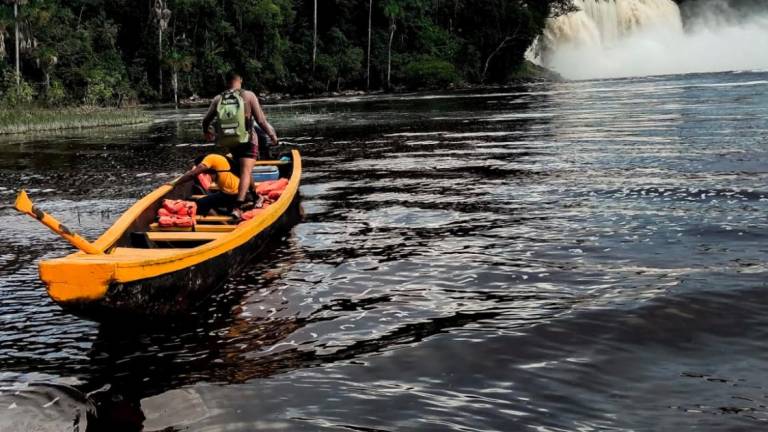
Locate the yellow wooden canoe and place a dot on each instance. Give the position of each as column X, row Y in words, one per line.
column 148, row 271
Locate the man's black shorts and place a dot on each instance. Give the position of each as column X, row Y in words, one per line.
column 246, row 150
column 249, row 150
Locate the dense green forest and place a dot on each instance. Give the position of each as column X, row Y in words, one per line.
column 117, row 52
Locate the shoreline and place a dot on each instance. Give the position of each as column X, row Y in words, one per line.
column 527, row 74
column 268, row 98
column 57, row 119
column 40, row 119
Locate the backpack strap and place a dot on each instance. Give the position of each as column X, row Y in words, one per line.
column 249, row 121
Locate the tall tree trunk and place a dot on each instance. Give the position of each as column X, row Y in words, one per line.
column 175, row 83
column 495, row 52
column 370, row 33
column 498, row 49
column 16, row 23
column 160, row 63
column 392, row 28
column 314, row 40
column 163, row 16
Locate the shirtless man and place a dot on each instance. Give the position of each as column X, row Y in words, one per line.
column 246, row 152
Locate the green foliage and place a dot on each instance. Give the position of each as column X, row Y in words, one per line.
column 27, row 119
column 108, row 52
column 339, row 61
column 430, row 72
column 103, row 88
column 14, row 96
column 56, row 95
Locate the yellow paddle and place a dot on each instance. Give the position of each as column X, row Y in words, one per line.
column 24, row 205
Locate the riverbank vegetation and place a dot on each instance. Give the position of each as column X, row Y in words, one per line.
column 118, row 52
column 46, row 119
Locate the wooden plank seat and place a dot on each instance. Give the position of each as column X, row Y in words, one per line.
column 271, row 162
column 197, row 228
column 183, row 236
column 214, row 219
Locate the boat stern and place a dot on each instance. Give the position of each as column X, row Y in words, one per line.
column 70, row 280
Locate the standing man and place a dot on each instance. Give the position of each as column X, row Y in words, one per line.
column 233, row 114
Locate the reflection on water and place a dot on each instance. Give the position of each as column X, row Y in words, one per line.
column 573, row 256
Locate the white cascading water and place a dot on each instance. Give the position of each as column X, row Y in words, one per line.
column 619, row 38
column 606, row 22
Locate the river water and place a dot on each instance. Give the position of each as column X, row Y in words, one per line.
column 552, row 257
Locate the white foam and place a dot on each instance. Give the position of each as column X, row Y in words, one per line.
column 601, row 41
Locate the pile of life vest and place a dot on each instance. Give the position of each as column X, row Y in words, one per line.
column 273, row 189
column 177, row 213
column 270, row 191
column 205, row 180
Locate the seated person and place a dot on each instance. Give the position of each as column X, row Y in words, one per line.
column 228, row 182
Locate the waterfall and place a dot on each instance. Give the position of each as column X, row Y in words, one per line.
column 620, row 38
column 604, row 23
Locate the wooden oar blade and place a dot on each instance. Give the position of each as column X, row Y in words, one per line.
column 23, row 203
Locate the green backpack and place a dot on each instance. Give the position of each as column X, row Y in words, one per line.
column 231, row 129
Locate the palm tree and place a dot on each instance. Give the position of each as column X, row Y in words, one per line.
column 46, row 59
column 5, row 24
column 178, row 61
column 162, row 16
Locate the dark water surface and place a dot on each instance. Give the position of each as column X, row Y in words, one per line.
column 556, row 257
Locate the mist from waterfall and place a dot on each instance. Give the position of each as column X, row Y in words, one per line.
column 620, row 38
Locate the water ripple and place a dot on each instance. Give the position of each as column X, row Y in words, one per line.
column 568, row 256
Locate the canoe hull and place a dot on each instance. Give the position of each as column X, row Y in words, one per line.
column 137, row 276
column 177, row 293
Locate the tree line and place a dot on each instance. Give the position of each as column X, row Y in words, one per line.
column 113, row 52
